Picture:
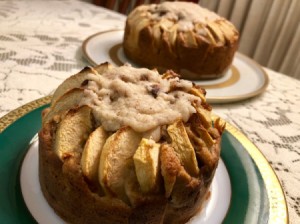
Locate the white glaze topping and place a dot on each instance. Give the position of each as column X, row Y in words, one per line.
column 139, row 98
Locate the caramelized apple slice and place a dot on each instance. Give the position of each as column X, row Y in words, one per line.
column 185, row 189
column 72, row 132
column 207, row 155
column 64, row 103
column 179, row 185
column 77, row 80
column 220, row 125
column 209, row 36
column 117, row 160
column 201, row 122
column 72, row 82
column 146, row 162
column 91, row 153
column 204, row 117
column 183, row 147
column 141, row 24
column 157, row 35
column 216, row 32
column 170, row 166
column 228, row 31
column 166, row 24
column 198, row 92
column 190, row 39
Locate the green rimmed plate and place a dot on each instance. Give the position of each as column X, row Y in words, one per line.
column 257, row 196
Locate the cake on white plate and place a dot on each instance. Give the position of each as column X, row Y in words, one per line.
column 182, row 36
column 127, row 145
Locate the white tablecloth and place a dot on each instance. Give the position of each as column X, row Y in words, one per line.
column 40, row 46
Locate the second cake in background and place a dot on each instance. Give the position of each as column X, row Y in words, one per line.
column 181, row 36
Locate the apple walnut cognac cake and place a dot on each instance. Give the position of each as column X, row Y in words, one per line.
column 127, row 145
column 182, row 36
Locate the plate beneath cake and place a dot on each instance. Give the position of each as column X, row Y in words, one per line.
column 257, row 196
column 212, row 212
column 244, row 79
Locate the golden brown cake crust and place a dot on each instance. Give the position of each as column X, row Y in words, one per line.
column 70, row 195
column 65, row 189
column 203, row 53
column 181, row 185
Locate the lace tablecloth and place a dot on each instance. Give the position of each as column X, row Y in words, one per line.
column 40, row 45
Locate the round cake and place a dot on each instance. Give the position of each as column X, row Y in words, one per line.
column 181, row 36
column 127, row 145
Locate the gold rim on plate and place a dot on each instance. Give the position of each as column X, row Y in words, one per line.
column 278, row 210
column 278, row 206
column 14, row 115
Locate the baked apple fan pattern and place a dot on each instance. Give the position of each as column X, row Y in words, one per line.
column 101, row 162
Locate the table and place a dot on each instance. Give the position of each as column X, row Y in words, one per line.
column 40, row 46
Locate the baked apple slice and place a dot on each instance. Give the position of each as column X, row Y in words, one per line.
column 179, row 185
column 91, row 153
column 76, row 81
column 146, row 162
column 183, row 147
column 198, row 92
column 116, row 161
column 64, row 103
column 72, row 132
column 170, row 167
column 203, row 118
column 185, row 189
column 72, row 82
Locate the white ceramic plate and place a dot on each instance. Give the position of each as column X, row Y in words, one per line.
column 213, row 212
column 243, row 80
